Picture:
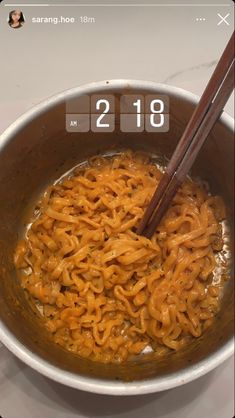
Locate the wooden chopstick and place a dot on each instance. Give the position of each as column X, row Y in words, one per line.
column 202, row 121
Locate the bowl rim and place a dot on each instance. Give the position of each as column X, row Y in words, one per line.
column 93, row 384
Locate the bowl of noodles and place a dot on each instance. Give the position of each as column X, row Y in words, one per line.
column 84, row 299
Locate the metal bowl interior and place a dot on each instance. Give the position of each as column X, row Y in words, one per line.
column 35, row 151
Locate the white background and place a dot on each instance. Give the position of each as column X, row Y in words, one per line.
column 163, row 44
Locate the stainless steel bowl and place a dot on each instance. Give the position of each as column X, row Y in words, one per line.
column 36, row 150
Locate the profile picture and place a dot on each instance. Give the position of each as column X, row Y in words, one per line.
column 16, row 19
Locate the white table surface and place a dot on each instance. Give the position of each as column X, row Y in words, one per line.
column 163, row 44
